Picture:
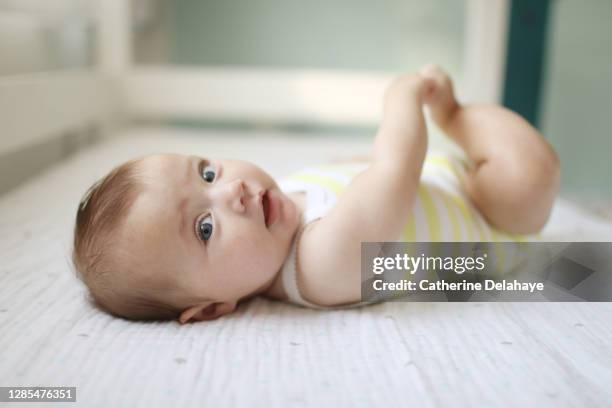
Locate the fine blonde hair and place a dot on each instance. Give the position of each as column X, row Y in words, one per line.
column 100, row 260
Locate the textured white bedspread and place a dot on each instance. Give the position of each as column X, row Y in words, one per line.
column 272, row 354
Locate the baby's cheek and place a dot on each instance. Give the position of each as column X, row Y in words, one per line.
column 259, row 264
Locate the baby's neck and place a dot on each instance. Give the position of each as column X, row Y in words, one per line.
column 275, row 289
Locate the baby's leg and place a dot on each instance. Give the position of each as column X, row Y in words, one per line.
column 516, row 174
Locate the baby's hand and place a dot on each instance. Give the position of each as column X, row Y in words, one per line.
column 410, row 85
column 439, row 97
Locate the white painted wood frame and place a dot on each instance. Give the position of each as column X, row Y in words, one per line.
column 34, row 107
column 485, row 49
column 39, row 106
column 258, row 95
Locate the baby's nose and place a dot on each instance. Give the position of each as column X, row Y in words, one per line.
column 232, row 194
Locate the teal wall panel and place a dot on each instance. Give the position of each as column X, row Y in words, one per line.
column 386, row 35
column 577, row 96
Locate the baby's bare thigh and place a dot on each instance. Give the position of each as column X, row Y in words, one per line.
column 515, row 187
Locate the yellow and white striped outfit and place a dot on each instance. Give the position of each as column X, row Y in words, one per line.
column 442, row 211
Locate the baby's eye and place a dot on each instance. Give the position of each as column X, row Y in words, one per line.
column 205, row 228
column 209, row 173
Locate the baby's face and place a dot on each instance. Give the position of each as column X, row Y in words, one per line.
column 222, row 228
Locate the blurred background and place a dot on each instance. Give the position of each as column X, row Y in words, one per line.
column 555, row 68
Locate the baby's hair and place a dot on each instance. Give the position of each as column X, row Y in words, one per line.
column 98, row 258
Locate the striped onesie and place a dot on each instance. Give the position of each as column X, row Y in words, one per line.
column 442, row 209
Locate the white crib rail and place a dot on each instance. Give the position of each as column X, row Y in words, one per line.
column 257, row 95
column 34, row 107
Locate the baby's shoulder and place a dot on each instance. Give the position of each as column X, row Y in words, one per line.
column 321, row 264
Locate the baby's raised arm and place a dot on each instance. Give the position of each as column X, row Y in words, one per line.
column 374, row 207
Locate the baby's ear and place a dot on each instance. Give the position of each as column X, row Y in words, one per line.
column 206, row 311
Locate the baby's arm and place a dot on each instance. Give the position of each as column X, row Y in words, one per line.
column 374, row 206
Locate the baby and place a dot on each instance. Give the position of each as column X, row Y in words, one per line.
column 186, row 237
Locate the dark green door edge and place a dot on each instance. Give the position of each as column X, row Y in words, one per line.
column 526, row 55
